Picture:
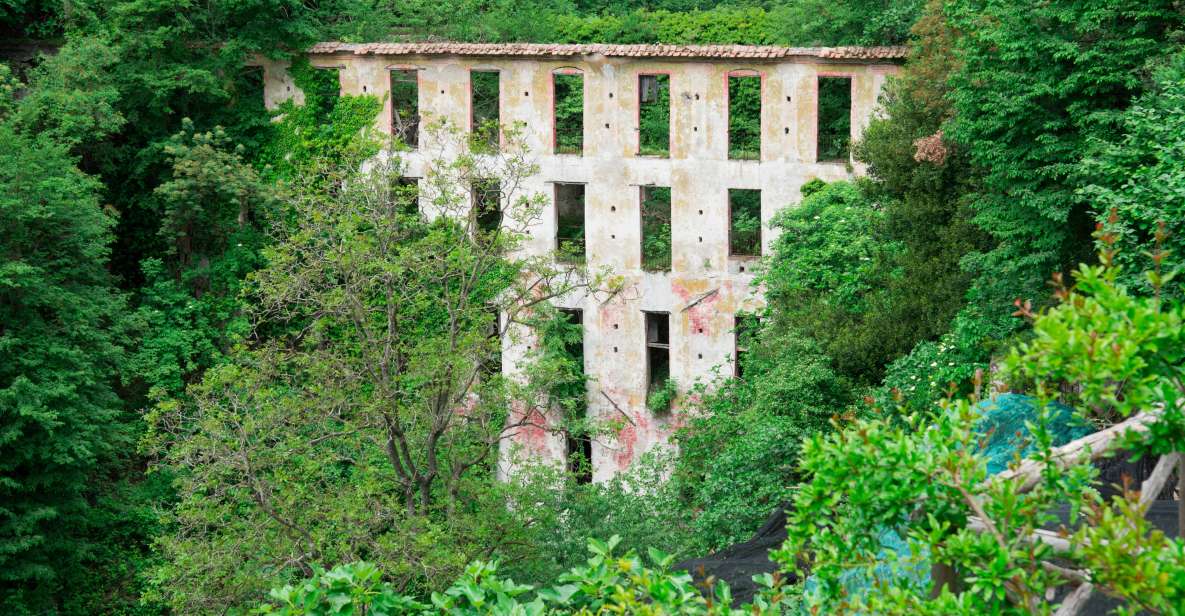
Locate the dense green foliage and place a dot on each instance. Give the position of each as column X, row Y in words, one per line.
column 200, row 399
column 60, row 351
column 738, row 448
column 606, row 584
column 865, row 484
column 875, row 475
column 1136, row 178
column 1034, row 85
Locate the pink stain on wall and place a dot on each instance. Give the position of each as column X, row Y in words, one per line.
column 532, row 429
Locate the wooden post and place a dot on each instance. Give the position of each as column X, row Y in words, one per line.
column 942, row 575
column 1181, row 495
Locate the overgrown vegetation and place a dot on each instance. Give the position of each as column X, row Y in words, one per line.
column 230, row 357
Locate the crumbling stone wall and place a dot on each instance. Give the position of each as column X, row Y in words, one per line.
column 706, row 286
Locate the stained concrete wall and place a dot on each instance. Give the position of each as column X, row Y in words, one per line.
column 705, row 287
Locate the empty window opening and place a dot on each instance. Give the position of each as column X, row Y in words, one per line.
column 656, row 228
column 405, row 197
column 744, row 117
column 579, row 439
column 491, row 362
column 248, row 90
column 569, row 112
column 569, row 230
column 323, row 89
column 744, row 222
column 658, row 350
column 487, row 208
column 485, row 110
column 654, row 115
column 405, row 107
column 834, row 116
column 744, row 328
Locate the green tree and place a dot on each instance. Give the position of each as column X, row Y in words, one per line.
column 214, row 205
column 739, row 447
column 1137, row 179
column 366, row 424
column 1033, row 85
column 825, row 274
column 59, row 358
column 921, row 179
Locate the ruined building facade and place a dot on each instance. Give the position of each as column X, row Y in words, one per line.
column 714, row 175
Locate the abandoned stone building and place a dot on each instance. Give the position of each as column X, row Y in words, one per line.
column 665, row 164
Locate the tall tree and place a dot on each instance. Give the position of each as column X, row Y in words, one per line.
column 59, row 356
column 1035, row 83
column 1139, row 178
column 368, row 420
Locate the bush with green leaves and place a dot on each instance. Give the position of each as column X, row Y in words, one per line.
column 607, row 583
column 739, row 446
column 661, row 398
column 1101, row 348
column 637, row 504
column 825, row 274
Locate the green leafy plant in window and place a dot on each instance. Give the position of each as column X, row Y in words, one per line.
column 662, row 397
column 654, row 120
column 569, row 113
column 744, row 237
column 744, row 118
column 656, row 229
column 835, row 119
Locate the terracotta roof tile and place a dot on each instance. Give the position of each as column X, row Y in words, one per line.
column 624, row 51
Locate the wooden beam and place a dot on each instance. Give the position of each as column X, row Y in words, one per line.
column 1076, row 601
column 1154, row 484
column 1048, row 537
column 1098, row 444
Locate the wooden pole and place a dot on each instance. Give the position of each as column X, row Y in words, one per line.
column 1181, row 495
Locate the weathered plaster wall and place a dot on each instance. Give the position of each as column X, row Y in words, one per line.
column 706, row 287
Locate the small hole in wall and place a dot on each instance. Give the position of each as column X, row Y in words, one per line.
column 742, row 268
column 699, row 355
column 697, row 96
column 614, row 349
column 701, row 240
column 701, row 212
column 289, row 88
column 699, row 331
column 610, row 95
column 442, row 91
column 612, row 208
column 787, row 99
column 695, row 128
column 612, row 236
column 363, row 88
column 614, row 326
column 787, row 130
column 526, row 93
column 606, row 125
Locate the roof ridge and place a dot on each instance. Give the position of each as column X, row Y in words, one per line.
column 885, row 52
